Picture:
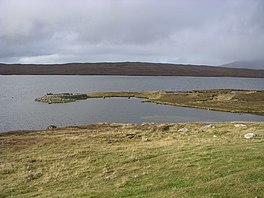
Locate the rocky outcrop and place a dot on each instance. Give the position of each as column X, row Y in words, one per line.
column 61, row 97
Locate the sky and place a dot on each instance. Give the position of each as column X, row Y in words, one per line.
column 211, row 32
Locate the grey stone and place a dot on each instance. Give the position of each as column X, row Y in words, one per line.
column 250, row 135
column 209, row 126
column 240, row 125
column 51, row 127
column 183, row 130
column 145, row 139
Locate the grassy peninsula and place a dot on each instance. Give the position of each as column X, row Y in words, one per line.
column 229, row 100
column 129, row 160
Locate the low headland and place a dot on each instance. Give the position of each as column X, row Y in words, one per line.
column 229, row 100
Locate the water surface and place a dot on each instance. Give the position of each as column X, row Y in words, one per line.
column 19, row 111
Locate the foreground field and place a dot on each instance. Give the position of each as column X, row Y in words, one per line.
column 128, row 160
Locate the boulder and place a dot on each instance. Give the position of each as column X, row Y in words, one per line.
column 240, row 125
column 209, row 126
column 145, row 139
column 164, row 127
column 250, row 135
column 183, row 130
column 51, row 127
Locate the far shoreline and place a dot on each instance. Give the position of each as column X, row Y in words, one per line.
column 128, row 69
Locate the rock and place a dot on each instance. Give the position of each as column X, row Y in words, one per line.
column 183, row 130
column 164, row 127
column 209, row 126
column 51, row 127
column 143, row 101
column 145, row 139
column 250, row 135
column 34, row 175
column 240, row 125
column 130, row 135
column 32, row 161
column 214, row 136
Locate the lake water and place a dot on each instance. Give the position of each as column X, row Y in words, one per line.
column 19, row 111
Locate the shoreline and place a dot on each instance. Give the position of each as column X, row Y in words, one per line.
column 68, row 127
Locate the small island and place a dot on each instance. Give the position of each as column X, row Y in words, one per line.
column 228, row 100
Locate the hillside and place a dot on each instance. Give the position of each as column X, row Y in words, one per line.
column 129, row 160
column 256, row 64
column 127, row 68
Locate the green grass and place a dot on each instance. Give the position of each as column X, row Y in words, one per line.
column 111, row 160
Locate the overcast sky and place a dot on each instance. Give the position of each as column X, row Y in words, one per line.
column 176, row 31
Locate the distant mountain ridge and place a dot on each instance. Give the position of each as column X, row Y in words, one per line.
column 256, row 64
column 127, row 68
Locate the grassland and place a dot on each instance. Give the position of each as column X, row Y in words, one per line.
column 239, row 101
column 127, row 160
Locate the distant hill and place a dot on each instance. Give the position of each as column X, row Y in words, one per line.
column 127, row 68
column 256, row 64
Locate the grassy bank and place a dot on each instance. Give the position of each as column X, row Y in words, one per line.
column 126, row 160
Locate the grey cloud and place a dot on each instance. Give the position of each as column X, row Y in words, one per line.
column 178, row 31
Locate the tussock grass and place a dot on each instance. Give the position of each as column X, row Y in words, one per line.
column 111, row 160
